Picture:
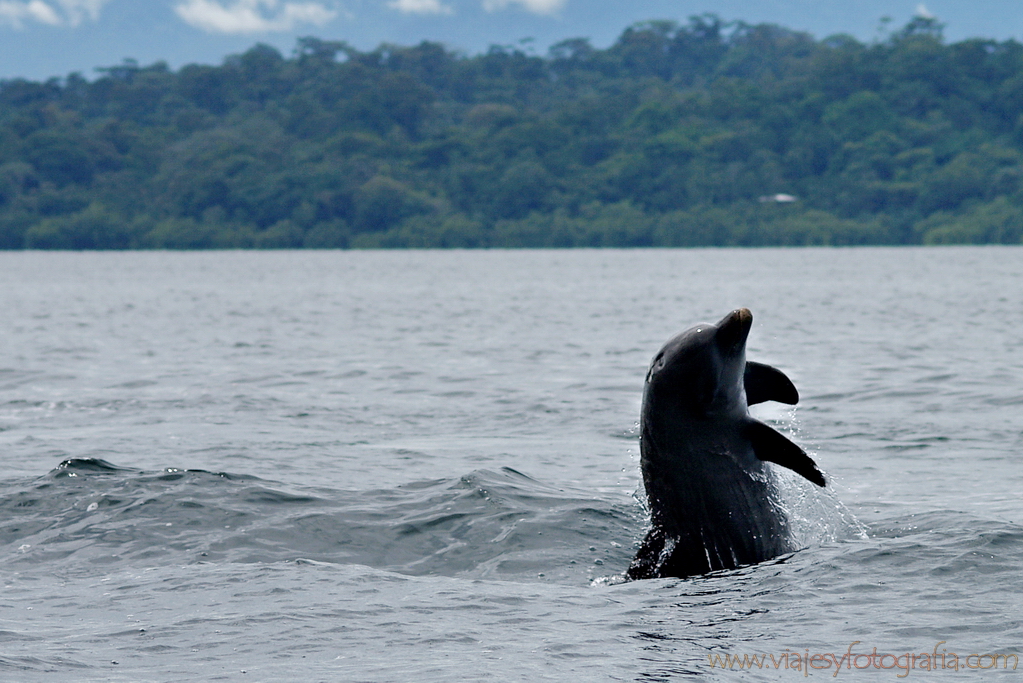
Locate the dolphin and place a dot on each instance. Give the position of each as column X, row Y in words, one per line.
column 713, row 503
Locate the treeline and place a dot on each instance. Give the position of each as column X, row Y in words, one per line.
column 708, row 133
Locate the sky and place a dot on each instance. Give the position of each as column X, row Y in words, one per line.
column 40, row 39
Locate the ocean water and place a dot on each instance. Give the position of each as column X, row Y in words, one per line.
column 423, row 466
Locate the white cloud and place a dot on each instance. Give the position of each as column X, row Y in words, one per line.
column 534, row 6
column 923, row 12
column 420, row 7
column 252, row 16
column 52, row 12
column 16, row 13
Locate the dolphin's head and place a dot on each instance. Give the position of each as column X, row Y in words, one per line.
column 701, row 369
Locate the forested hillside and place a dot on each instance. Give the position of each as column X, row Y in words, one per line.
column 703, row 134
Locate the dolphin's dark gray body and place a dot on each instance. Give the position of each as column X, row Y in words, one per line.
column 713, row 504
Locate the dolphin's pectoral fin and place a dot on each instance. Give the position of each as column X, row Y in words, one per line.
column 764, row 383
column 771, row 446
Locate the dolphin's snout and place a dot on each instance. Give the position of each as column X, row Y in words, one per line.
column 734, row 328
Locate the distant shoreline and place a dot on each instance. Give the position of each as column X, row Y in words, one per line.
column 707, row 134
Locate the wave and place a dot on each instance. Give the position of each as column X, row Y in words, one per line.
column 89, row 514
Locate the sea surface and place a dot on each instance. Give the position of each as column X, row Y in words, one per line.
column 423, row 466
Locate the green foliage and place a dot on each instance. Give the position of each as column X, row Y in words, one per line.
column 95, row 227
column 996, row 222
column 333, row 235
column 676, row 135
column 382, row 202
